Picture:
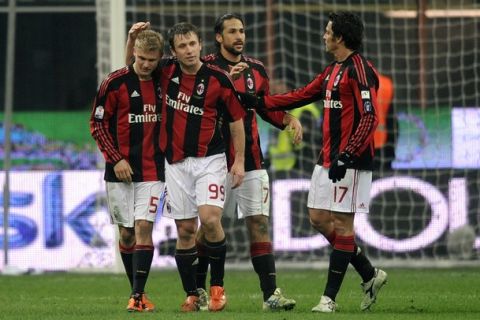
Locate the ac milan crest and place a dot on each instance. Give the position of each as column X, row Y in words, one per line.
column 200, row 89
column 249, row 83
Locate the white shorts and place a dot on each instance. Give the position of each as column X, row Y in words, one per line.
column 128, row 202
column 351, row 194
column 194, row 182
column 252, row 197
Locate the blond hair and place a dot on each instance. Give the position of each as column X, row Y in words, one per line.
column 149, row 40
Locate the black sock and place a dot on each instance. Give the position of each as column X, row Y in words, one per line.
column 127, row 258
column 202, row 267
column 142, row 261
column 363, row 266
column 339, row 260
column 185, row 259
column 264, row 265
column 217, row 252
column 359, row 261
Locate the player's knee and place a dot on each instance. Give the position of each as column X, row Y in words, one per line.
column 185, row 236
column 143, row 232
column 258, row 228
column 143, row 226
column 343, row 224
column 186, row 230
column 316, row 225
column 127, row 236
column 210, row 224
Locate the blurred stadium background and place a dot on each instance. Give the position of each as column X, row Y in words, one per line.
column 425, row 208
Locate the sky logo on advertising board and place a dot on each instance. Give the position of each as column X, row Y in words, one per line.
column 26, row 228
column 62, row 217
column 54, row 221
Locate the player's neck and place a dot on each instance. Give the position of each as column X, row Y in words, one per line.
column 230, row 56
column 191, row 70
column 342, row 54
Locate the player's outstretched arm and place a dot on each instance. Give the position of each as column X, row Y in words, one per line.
column 132, row 36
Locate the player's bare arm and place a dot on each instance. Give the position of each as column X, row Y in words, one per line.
column 132, row 36
column 123, row 171
column 237, row 171
column 294, row 125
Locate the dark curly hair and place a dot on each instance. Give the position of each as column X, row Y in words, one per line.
column 349, row 26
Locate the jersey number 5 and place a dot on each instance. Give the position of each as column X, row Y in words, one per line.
column 153, row 204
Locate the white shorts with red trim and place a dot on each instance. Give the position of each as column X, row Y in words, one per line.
column 193, row 182
column 252, row 197
column 351, row 194
column 128, row 202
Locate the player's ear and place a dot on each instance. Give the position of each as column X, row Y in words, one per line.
column 218, row 37
column 339, row 39
column 172, row 51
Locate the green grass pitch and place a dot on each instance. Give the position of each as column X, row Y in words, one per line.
column 409, row 294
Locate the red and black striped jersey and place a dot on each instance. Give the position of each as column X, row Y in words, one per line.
column 125, row 123
column 254, row 80
column 349, row 93
column 192, row 109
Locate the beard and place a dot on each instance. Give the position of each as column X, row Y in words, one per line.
column 234, row 51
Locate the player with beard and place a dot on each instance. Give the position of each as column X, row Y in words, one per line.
column 252, row 198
